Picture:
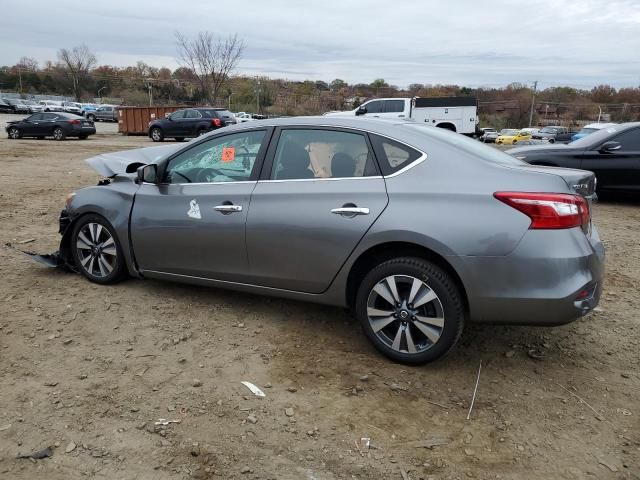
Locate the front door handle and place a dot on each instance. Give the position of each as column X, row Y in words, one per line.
column 350, row 211
column 226, row 209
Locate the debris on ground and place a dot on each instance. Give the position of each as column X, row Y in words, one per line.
column 70, row 448
column 44, row 453
column 163, row 421
column 255, row 390
column 431, row 442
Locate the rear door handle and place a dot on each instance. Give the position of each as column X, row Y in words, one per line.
column 228, row 208
column 350, row 211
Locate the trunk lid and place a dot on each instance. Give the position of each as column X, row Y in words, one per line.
column 581, row 182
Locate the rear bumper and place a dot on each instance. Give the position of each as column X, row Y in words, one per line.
column 551, row 278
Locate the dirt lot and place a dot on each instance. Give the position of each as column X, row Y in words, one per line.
column 87, row 370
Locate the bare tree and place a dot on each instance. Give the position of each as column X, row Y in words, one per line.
column 27, row 64
column 211, row 59
column 77, row 62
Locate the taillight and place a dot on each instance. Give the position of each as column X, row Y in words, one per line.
column 549, row 210
column 75, row 122
column 216, row 122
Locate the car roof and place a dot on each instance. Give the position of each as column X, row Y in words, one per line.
column 388, row 127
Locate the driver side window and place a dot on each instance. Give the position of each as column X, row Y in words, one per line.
column 374, row 107
column 230, row 158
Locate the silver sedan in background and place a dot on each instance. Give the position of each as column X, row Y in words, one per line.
column 416, row 229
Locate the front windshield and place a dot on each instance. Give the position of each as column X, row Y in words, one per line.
column 508, row 131
column 476, row 149
column 549, row 130
column 595, row 138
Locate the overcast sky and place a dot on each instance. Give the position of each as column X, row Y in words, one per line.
column 467, row 42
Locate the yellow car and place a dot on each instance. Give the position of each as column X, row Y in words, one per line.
column 511, row 136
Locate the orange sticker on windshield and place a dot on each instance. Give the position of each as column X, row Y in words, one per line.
column 228, row 154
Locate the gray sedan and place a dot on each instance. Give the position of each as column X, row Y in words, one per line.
column 417, row 230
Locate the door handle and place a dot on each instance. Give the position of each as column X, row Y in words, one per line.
column 228, row 208
column 350, row 211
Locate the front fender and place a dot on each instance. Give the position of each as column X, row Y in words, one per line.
column 113, row 202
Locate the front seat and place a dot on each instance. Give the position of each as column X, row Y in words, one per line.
column 294, row 163
column 342, row 165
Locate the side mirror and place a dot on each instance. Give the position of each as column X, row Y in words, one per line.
column 147, row 174
column 609, row 147
column 361, row 110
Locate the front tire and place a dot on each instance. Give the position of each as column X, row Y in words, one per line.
column 14, row 133
column 96, row 250
column 83, row 137
column 58, row 134
column 91, row 117
column 411, row 310
column 156, row 134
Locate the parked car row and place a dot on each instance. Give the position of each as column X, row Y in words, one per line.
column 551, row 134
column 92, row 111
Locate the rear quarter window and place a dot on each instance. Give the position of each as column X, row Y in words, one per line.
column 392, row 155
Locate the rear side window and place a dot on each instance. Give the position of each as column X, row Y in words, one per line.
column 321, row 153
column 192, row 114
column 392, row 155
column 394, row 106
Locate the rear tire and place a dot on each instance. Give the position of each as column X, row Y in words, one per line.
column 96, row 250
column 14, row 133
column 427, row 316
column 156, row 134
column 58, row 134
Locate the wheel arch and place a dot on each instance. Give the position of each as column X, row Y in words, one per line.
column 385, row 251
column 447, row 126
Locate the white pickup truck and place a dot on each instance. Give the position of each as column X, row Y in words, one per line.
column 458, row 114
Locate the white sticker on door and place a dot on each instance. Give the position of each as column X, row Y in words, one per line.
column 194, row 210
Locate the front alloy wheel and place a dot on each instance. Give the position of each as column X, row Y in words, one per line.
column 96, row 251
column 14, row 133
column 156, row 135
column 411, row 310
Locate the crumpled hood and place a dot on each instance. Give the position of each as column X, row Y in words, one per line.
column 116, row 163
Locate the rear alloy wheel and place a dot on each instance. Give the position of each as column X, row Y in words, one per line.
column 411, row 310
column 156, row 135
column 14, row 133
column 96, row 250
column 58, row 134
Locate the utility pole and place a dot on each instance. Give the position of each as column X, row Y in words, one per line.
column 533, row 102
column 150, row 85
column 20, row 78
column 258, row 95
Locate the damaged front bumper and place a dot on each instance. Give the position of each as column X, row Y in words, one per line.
column 62, row 258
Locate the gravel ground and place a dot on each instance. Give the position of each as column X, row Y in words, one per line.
column 88, row 370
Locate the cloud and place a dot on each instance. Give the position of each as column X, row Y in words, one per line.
column 407, row 41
